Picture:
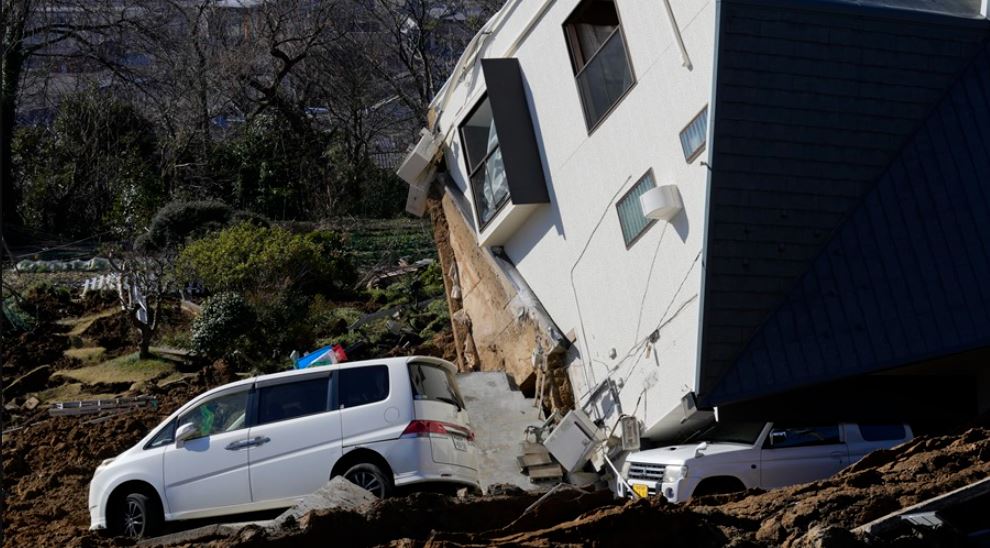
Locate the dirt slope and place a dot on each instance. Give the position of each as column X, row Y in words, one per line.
column 815, row 514
column 47, row 467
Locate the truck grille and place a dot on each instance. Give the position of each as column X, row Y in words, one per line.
column 646, row 472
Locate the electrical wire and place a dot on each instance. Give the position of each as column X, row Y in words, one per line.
column 577, row 302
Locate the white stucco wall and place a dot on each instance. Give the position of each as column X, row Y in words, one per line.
column 618, row 296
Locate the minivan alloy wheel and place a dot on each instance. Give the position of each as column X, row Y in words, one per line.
column 368, row 481
column 371, row 478
column 134, row 519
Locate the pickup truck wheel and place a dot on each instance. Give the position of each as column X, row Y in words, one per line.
column 718, row 486
column 138, row 517
column 369, row 477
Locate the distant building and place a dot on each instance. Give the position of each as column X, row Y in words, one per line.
column 820, row 174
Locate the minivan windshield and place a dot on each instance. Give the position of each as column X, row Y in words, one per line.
column 433, row 382
column 731, row 432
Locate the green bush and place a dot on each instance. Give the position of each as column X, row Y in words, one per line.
column 247, row 258
column 224, row 325
column 180, row 221
column 177, row 221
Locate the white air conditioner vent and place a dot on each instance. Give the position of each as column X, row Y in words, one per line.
column 663, row 202
column 420, row 159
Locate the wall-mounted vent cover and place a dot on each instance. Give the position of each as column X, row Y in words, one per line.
column 661, row 203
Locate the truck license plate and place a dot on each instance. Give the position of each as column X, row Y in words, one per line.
column 641, row 490
column 459, row 443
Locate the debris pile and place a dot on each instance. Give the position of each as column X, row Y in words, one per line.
column 881, row 483
column 47, row 468
column 48, row 464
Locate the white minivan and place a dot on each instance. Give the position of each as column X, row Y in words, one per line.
column 263, row 443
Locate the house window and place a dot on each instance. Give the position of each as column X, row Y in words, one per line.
column 631, row 217
column 693, row 136
column 598, row 55
column 484, row 161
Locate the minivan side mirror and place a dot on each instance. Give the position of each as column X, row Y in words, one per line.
column 185, row 432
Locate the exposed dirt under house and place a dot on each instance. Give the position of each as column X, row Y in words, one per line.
column 498, row 325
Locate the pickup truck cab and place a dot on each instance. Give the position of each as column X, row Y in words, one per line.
column 736, row 456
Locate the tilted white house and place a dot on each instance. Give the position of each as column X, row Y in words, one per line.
column 698, row 200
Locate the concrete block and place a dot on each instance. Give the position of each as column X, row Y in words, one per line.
column 338, row 494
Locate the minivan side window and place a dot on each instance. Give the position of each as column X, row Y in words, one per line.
column 294, row 399
column 363, row 385
column 802, row 436
column 224, row 413
column 882, row 432
column 163, row 437
column 433, row 382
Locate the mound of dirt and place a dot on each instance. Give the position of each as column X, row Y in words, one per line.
column 883, row 482
column 112, row 332
column 47, row 467
column 43, row 345
column 97, row 301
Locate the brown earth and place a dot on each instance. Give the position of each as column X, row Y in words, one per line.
column 28, row 350
column 47, row 467
column 819, row 514
column 114, row 333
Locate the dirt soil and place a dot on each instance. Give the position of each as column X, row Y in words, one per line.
column 113, row 332
column 820, row 514
column 47, row 467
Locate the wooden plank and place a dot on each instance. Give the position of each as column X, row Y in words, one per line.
column 545, row 471
column 530, row 448
column 86, row 407
column 961, row 495
column 533, row 459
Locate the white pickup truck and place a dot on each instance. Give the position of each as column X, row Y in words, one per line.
column 735, row 456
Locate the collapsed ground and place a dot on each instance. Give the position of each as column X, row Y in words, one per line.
column 47, row 469
column 80, row 348
column 48, row 463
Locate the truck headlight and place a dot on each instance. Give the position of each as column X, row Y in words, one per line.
column 674, row 473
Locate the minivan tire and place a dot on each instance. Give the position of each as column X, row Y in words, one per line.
column 371, row 478
column 139, row 516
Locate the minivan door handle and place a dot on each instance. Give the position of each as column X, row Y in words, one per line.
column 234, row 446
column 260, row 441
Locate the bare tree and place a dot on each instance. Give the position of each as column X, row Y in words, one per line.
column 414, row 44
column 143, row 282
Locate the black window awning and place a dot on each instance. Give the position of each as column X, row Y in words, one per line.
column 516, row 134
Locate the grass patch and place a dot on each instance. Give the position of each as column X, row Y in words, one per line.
column 87, row 355
column 123, row 369
column 370, row 240
column 175, row 377
column 81, row 324
column 69, row 392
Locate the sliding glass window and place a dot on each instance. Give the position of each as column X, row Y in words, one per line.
column 484, row 162
column 599, row 57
